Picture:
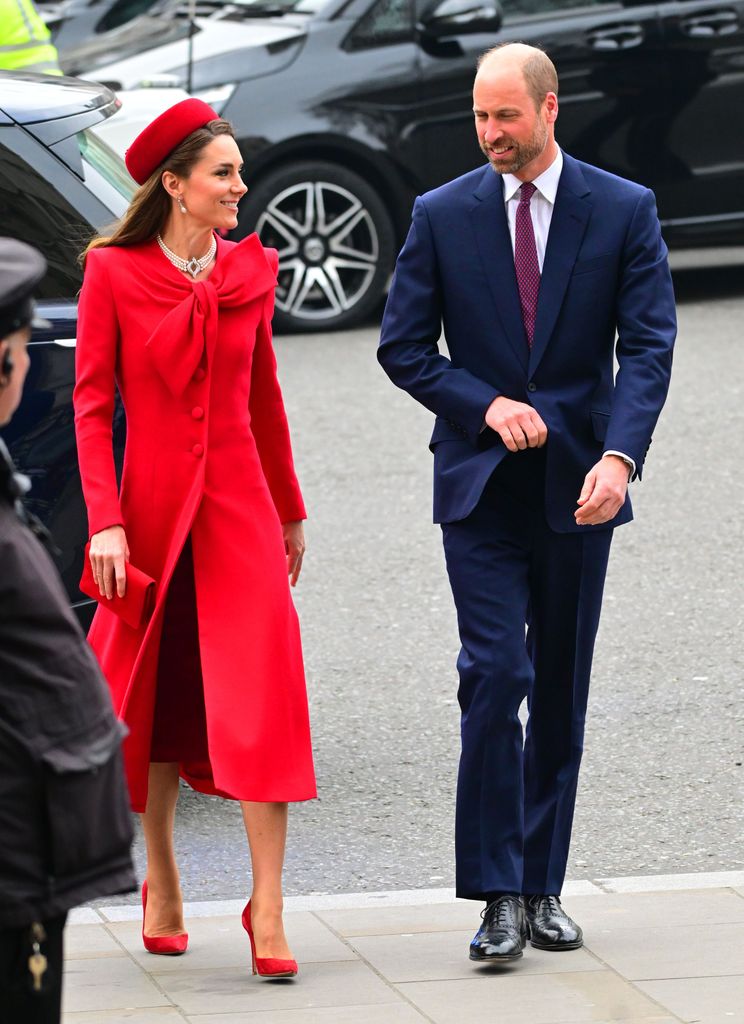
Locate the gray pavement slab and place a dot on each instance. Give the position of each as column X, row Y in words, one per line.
column 127, row 1015
column 708, row 1000
column 438, row 956
column 226, row 990
column 388, row 1013
column 682, row 947
column 673, row 956
column 118, row 984
column 516, row 998
column 221, row 942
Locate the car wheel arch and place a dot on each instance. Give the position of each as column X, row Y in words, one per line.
column 392, row 185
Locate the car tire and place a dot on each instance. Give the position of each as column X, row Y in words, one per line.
column 335, row 240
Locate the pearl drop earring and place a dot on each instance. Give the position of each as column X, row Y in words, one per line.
column 181, row 207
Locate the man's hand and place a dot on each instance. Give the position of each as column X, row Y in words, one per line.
column 603, row 493
column 518, row 425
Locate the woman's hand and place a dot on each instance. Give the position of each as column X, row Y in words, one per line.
column 109, row 553
column 294, row 545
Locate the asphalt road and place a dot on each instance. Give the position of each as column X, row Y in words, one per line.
column 662, row 781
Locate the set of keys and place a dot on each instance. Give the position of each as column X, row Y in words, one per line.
column 37, row 962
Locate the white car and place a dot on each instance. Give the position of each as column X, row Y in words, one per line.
column 215, row 38
column 138, row 108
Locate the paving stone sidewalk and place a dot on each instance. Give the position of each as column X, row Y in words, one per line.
column 659, row 950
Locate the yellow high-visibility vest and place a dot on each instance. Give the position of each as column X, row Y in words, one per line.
column 25, row 41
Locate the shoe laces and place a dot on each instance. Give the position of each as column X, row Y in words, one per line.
column 546, row 905
column 500, row 911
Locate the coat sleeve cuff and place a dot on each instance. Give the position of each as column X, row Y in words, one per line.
column 103, row 519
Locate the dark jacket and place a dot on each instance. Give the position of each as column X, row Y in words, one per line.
column 65, row 826
column 605, row 272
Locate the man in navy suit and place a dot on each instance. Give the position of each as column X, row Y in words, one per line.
column 532, row 265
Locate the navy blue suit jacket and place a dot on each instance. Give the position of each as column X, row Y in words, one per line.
column 605, row 291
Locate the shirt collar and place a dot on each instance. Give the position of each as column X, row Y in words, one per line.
column 545, row 183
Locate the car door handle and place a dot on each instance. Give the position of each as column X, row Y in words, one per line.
column 712, row 23
column 619, row 37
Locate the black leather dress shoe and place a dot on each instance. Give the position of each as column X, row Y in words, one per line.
column 503, row 934
column 549, row 926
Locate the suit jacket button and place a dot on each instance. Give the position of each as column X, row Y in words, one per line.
column 199, row 374
column 532, row 386
column 198, row 450
column 197, row 412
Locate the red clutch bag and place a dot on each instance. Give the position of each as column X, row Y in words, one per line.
column 138, row 603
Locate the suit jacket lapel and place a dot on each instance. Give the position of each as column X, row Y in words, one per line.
column 567, row 226
column 488, row 218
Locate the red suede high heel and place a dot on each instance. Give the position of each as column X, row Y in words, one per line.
column 165, row 945
column 266, row 966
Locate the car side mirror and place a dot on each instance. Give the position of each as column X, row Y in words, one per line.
column 459, row 17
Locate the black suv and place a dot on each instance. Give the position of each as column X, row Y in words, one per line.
column 346, row 109
column 59, row 185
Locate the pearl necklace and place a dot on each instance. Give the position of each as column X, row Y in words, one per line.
column 193, row 266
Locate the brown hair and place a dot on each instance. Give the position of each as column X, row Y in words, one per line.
column 151, row 204
column 538, row 70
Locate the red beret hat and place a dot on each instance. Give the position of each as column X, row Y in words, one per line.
column 154, row 143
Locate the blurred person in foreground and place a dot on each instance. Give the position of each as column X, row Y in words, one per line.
column 65, row 826
column 532, row 264
column 25, row 41
column 212, row 687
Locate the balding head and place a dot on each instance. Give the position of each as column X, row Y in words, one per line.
column 534, row 65
column 515, row 107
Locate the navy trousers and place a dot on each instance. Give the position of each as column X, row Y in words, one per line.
column 528, row 602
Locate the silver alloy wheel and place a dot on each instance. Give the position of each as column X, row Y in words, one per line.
column 328, row 248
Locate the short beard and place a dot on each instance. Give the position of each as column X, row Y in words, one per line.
column 522, row 153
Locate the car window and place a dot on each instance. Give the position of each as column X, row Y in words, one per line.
column 32, row 210
column 130, row 40
column 387, row 21
column 121, row 12
column 259, row 7
column 109, row 164
column 515, row 9
column 523, row 8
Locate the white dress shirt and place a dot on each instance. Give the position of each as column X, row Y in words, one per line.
column 541, row 212
column 541, row 204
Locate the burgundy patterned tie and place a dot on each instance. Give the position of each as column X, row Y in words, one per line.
column 525, row 261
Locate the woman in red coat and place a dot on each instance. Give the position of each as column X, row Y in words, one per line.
column 212, row 688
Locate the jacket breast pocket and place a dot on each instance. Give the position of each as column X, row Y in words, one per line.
column 601, row 262
column 600, row 422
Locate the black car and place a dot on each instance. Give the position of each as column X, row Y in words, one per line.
column 346, row 109
column 59, row 185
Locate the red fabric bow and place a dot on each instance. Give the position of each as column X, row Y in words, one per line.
column 178, row 343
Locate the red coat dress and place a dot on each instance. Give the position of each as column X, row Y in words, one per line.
column 208, row 457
